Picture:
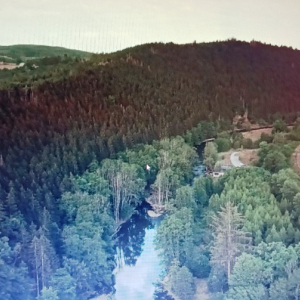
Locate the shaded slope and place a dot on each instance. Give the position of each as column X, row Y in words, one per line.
column 111, row 102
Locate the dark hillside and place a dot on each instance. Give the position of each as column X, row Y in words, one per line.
column 153, row 91
column 144, row 93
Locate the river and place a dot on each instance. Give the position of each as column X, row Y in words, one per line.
column 139, row 270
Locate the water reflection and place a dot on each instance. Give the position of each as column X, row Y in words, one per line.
column 131, row 237
column 137, row 281
column 138, row 266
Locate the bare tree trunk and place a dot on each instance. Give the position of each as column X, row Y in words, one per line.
column 229, row 245
column 159, row 193
column 36, row 270
column 42, row 261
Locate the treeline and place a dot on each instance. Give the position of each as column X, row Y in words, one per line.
column 22, row 53
column 37, row 71
column 254, row 210
column 62, row 247
column 241, row 232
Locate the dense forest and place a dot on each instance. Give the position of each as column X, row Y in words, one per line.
column 241, row 233
column 75, row 137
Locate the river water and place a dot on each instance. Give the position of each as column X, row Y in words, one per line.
column 139, row 268
column 138, row 265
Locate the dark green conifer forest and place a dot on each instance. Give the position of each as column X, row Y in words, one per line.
column 76, row 135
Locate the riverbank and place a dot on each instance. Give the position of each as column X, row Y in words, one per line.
column 153, row 214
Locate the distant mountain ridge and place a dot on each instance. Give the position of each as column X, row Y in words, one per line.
column 21, row 53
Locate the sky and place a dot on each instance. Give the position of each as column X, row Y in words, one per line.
column 110, row 25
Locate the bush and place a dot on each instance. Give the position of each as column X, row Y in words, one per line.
column 237, row 145
column 266, row 138
column 217, row 280
column 223, row 144
column 262, row 122
column 247, row 143
column 279, row 126
column 182, row 283
column 237, row 140
column 294, row 135
column 279, row 138
column 198, row 264
column 275, row 161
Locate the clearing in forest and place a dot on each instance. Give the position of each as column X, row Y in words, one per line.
column 254, row 135
column 247, row 156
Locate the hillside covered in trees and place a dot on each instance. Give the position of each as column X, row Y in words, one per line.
column 22, row 53
column 67, row 173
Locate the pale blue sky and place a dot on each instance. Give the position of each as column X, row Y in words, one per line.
column 109, row 25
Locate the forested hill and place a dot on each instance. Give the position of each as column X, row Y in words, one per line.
column 21, row 53
column 55, row 121
column 149, row 92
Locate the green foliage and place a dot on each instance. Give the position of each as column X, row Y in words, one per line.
column 279, row 126
column 248, row 271
column 64, row 115
column 14, row 279
column 64, row 284
column 85, row 243
column 270, row 272
column 25, row 52
column 175, row 237
column 264, row 137
column 247, row 144
column 294, row 134
column 200, row 132
column 178, row 156
column 274, row 157
column 182, row 283
column 184, row 198
column 198, row 263
column 210, row 155
column 286, row 288
column 175, row 162
column 202, row 188
column 275, row 161
column 253, row 191
column 93, row 183
column 217, row 280
column 237, row 140
column 230, row 240
column 127, row 183
column 223, row 144
column 257, row 292
column 142, row 156
column 48, row 294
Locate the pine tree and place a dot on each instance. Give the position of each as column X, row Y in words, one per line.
column 48, row 294
column 229, row 238
column 210, row 155
column 273, row 236
column 43, row 260
column 182, row 282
